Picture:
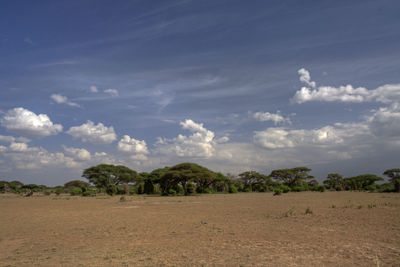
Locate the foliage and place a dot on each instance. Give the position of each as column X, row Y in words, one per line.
column 361, row 182
column 184, row 173
column 254, row 181
column 89, row 193
column 108, row 176
column 232, row 189
column 77, row 183
column 394, row 178
column 74, row 191
column 334, row 181
column 292, row 177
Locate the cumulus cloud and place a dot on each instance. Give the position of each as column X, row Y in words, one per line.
column 385, row 122
column 78, row 153
column 25, row 122
column 275, row 117
column 305, row 77
column 388, row 93
column 199, row 144
column 97, row 134
column 94, row 89
column 6, row 139
column 273, row 138
column 138, row 148
column 60, row 99
column 22, row 156
column 112, row 92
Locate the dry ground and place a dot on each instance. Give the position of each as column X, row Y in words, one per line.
column 341, row 229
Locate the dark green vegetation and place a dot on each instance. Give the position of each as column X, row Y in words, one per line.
column 190, row 178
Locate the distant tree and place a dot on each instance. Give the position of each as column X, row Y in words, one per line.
column 221, row 183
column 394, row 178
column 109, row 176
column 15, row 185
column 334, row 181
column 361, row 182
column 77, row 183
column 254, row 181
column 184, row 173
column 292, row 177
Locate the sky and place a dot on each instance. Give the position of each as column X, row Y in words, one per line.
column 231, row 85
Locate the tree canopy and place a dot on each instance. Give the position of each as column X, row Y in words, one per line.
column 292, row 177
column 104, row 175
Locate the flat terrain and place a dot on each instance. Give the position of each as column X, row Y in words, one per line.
column 248, row 229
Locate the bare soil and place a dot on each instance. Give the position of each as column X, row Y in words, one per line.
column 248, row 229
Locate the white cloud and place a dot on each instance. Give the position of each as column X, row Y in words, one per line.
column 112, row 92
column 25, row 122
column 199, row 144
column 223, row 139
column 6, row 139
column 274, row 138
column 136, row 147
column 60, row 99
column 385, row 122
column 305, row 77
column 78, row 153
column 275, row 117
column 21, row 156
column 94, row 89
column 97, row 134
column 388, row 93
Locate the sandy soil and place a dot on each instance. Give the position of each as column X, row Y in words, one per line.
column 340, row 229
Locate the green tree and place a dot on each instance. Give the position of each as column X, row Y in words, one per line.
column 77, row 183
column 109, row 176
column 292, row 177
column 184, row 173
column 254, row 181
column 334, row 181
column 361, row 182
column 394, row 178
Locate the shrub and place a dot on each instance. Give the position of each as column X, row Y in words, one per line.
column 232, row 189
column 284, row 188
column 89, row 193
column 140, row 188
column 308, row 211
column 277, row 192
column 120, row 190
column 47, row 193
column 111, row 189
column 171, row 192
column 74, row 191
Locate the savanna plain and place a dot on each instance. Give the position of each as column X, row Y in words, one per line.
column 245, row 229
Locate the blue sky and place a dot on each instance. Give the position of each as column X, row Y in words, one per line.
column 232, row 85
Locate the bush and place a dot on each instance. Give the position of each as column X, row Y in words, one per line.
column 111, row 189
column 140, row 188
column 277, row 192
column 89, row 193
column 285, row 188
column 172, row 192
column 47, row 193
column 74, row 191
column 120, row 190
column 232, row 189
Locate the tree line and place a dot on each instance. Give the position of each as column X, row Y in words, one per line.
column 190, row 178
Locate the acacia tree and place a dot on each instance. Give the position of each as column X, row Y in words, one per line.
column 361, row 182
column 108, row 176
column 334, row 181
column 254, row 181
column 292, row 177
column 394, row 178
column 184, row 173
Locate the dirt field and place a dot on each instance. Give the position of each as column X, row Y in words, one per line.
column 339, row 229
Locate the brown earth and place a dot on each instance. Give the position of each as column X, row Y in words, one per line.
column 249, row 229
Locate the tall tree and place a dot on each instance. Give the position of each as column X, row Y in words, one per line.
column 292, row 177
column 106, row 175
column 187, row 172
column 334, row 181
column 394, row 178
